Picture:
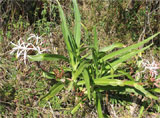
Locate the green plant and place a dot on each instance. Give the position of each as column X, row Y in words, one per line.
column 44, row 25
column 96, row 71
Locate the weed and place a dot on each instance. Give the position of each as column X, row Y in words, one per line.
column 93, row 72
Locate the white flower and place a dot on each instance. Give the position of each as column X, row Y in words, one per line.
column 22, row 47
column 151, row 66
column 36, row 37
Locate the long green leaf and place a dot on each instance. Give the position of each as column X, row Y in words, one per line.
column 47, row 57
column 156, row 90
column 106, row 81
column 95, row 40
column 111, row 47
column 126, row 89
column 141, row 111
column 111, row 76
column 115, row 82
column 53, row 91
column 75, row 109
column 125, row 57
column 87, row 82
column 127, row 49
column 95, row 60
column 49, row 75
column 77, row 28
column 64, row 27
column 145, row 92
column 98, row 105
column 66, row 34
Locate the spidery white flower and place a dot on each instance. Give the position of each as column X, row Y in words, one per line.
column 151, row 66
column 23, row 47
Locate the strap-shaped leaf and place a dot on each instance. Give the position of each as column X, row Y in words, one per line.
column 48, row 75
column 145, row 92
column 104, row 81
column 75, row 109
column 141, row 111
column 98, row 105
column 95, row 40
column 127, row 49
column 47, row 57
column 125, row 57
column 126, row 89
column 155, row 90
column 53, row 91
column 115, row 82
column 111, row 47
column 66, row 34
column 87, row 82
column 77, row 28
